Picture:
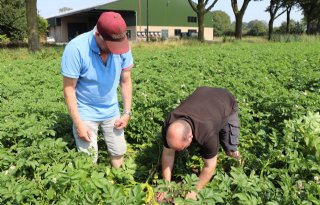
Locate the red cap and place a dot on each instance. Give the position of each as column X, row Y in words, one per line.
column 113, row 29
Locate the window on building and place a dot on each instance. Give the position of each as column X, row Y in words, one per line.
column 58, row 21
column 177, row 32
column 192, row 31
column 129, row 34
column 192, row 19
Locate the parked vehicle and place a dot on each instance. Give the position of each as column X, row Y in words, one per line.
column 50, row 39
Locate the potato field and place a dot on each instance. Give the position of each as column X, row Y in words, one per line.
column 277, row 86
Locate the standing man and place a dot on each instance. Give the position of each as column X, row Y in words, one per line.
column 93, row 64
column 208, row 117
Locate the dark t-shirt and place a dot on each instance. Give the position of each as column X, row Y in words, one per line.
column 206, row 110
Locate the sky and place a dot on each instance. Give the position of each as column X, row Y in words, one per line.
column 255, row 10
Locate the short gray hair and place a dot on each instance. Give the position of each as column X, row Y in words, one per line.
column 186, row 128
column 96, row 30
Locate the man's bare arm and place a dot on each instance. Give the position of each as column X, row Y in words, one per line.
column 126, row 93
column 69, row 90
column 167, row 165
column 207, row 172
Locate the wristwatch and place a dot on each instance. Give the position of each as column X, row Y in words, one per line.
column 126, row 112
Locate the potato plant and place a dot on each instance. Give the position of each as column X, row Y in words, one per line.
column 277, row 88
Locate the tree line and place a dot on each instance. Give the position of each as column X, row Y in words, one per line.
column 222, row 26
column 275, row 8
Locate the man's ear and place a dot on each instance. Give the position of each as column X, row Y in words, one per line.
column 190, row 136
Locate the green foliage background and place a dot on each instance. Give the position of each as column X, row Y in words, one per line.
column 221, row 22
column 257, row 28
column 13, row 21
column 277, row 87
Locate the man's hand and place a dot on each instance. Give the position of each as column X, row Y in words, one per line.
column 122, row 122
column 160, row 196
column 84, row 133
column 191, row 195
column 235, row 154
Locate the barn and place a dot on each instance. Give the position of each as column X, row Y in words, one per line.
column 161, row 19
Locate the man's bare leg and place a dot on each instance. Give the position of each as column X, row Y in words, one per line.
column 116, row 161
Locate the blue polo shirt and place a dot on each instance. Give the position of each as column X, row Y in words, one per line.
column 97, row 84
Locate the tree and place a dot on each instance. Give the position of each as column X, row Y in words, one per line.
column 12, row 19
column 201, row 10
column 239, row 16
column 231, row 30
column 273, row 9
column 295, row 27
column 221, row 22
column 43, row 27
column 32, row 25
column 311, row 11
column 289, row 4
column 257, row 28
column 64, row 9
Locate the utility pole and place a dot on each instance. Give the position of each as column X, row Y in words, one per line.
column 147, row 20
column 139, row 15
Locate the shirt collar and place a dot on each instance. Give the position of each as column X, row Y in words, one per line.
column 93, row 44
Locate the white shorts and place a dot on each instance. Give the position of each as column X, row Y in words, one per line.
column 114, row 138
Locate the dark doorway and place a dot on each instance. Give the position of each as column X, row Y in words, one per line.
column 75, row 29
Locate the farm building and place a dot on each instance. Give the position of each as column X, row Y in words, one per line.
column 162, row 18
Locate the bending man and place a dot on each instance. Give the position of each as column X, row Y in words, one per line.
column 208, row 117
